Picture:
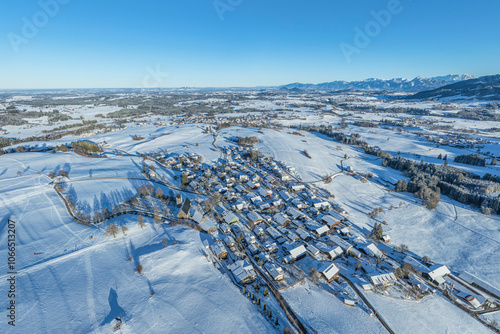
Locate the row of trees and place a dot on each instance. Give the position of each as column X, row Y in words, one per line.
column 471, row 159
column 428, row 181
column 464, row 189
column 247, row 141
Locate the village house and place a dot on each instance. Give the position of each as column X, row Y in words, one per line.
column 229, row 241
column 220, row 210
column 240, row 205
column 297, row 187
column 263, row 258
column 250, row 238
column 242, row 271
column 275, row 271
column 196, row 215
column 298, row 203
column 259, row 231
column 184, row 211
column 254, row 218
column 296, row 253
column 296, row 214
column 313, row 251
column 382, row 279
column 225, row 228
column 304, row 235
column 334, row 252
column 230, row 218
column 273, row 233
column 372, row 250
column 276, row 202
column 266, row 193
column 437, row 272
column 281, row 220
column 285, row 196
column 208, row 226
column 219, row 250
column 329, row 271
column 253, row 185
column 346, row 247
column 292, row 236
column 270, row 247
column 253, row 249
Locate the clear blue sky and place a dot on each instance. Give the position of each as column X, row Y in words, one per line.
column 111, row 43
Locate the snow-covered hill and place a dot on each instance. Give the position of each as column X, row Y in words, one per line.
column 484, row 88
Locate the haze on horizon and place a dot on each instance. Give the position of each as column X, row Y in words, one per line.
column 238, row 43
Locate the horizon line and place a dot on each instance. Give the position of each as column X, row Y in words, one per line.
column 231, row 87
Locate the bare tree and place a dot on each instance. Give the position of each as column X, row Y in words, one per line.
column 403, row 248
column 159, row 193
column 164, row 242
column 124, row 229
column 141, row 222
column 157, row 217
column 112, row 230
column 58, row 187
column 327, row 178
column 139, row 268
column 166, row 212
column 212, row 201
column 314, row 274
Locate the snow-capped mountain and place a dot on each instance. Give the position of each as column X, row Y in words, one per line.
column 482, row 88
column 397, row 84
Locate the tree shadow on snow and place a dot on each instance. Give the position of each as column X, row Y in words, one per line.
column 116, row 310
column 143, row 250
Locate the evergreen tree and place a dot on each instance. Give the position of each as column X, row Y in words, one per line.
column 377, row 231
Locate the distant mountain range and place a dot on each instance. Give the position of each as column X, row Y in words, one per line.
column 482, row 88
column 402, row 85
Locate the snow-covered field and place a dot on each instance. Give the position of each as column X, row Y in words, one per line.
column 327, row 313
column 83, row 280
column 74, row 279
